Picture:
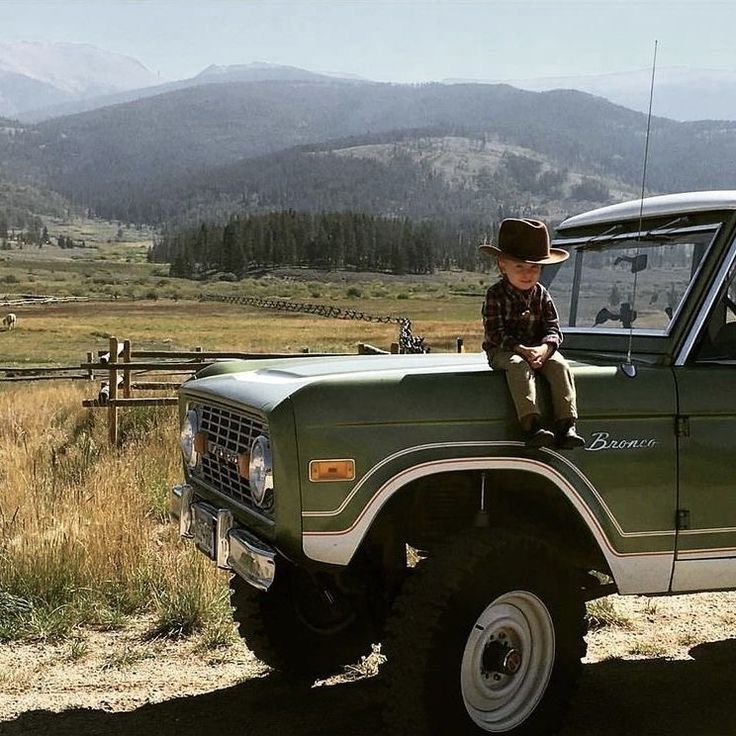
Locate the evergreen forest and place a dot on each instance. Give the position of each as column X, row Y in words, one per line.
column 337, row 240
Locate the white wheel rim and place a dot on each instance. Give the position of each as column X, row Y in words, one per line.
column 507, row 661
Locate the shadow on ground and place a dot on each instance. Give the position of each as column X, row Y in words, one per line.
column 653, row 697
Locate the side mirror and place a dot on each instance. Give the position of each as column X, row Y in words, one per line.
column 603, row 316
column 627, row 315
column 639, row 263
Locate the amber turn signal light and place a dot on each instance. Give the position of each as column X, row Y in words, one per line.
column 326, row 470
column 244, row 465
column 200, row 443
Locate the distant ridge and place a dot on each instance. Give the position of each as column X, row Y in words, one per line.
column 679, row 93
column 213, row 74
column 259, row 71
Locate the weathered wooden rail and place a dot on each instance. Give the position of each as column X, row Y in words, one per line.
column 124, row 367
column 124, row 370
column 26, row 300
column 43, row 373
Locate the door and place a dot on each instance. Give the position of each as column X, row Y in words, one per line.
column 706, row 538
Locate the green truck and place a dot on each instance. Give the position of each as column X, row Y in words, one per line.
column 391, row 499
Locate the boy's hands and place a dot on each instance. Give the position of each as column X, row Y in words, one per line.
column 536, row 356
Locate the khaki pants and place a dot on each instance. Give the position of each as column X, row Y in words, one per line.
column 522, row 385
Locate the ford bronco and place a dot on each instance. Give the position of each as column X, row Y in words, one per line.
column 390, row 498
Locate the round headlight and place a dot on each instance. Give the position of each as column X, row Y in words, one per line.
column 189, row 428
column 260, row 469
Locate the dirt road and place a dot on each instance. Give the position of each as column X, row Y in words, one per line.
column 682, row 690
column 676, row 698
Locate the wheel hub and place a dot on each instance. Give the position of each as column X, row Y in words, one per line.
column 320, row 608
column 500, row 658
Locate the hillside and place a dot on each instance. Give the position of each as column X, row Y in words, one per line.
column 23, row 197
column 156, row 158
column 417, row 175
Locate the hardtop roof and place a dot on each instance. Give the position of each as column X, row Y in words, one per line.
column 662, row 205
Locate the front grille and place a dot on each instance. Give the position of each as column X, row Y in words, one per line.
column 229, row 433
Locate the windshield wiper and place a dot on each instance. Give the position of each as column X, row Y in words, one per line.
column 596, row 241
column 660, row 233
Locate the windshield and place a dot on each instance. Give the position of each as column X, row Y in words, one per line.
column 633, row 280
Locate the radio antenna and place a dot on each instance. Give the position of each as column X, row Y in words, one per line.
column 628, row 368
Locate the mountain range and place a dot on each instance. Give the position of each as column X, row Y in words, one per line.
column 213, row 74
column 43, row 80
column 260, row 137
column 147, row 159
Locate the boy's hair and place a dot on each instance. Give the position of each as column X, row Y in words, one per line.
column 506, row 257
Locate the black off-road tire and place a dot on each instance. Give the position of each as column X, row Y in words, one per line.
column 486, row 603
column 277, row 633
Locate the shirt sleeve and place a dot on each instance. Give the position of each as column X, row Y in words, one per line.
column 495, row 335
column 551, row 322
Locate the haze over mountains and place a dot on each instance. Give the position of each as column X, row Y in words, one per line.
column 42, row 80
column 35, row 74
column 679, row 93
column 257, row 137
column 213, row 74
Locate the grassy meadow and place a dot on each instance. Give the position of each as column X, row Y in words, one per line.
column 137, row 300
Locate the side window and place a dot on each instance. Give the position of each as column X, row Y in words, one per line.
column 632, row 279
column 718, row 341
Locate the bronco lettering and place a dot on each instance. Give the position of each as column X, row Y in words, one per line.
column 603, row 441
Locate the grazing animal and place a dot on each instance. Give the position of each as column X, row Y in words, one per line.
column 10, row 321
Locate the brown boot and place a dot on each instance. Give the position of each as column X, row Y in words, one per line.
column 534, row 434
column 566, row 435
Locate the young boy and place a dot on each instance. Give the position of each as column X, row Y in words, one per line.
column 522, row 332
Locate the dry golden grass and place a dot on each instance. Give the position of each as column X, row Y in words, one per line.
column 84, row 536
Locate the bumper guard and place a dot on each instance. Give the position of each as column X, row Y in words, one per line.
column 215, row 534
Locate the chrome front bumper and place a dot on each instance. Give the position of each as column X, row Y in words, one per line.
column 215, row 535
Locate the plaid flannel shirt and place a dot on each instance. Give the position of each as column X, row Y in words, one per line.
column 512, row 317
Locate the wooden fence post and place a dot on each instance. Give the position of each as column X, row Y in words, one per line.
column 90, row 370
column 112, row 409
column 126, row 371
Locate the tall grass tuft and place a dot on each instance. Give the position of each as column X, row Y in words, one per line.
column 188, row 599
column 84, row 533
column 603, row 612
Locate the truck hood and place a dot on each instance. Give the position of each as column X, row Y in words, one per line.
column 264, row 384
column 442, row 377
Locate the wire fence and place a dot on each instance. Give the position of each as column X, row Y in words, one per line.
column 287, row 305
column 408, row 342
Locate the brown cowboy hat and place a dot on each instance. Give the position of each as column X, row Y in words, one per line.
column 525, row 240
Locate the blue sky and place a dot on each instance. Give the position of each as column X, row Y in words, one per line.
column 400, row 41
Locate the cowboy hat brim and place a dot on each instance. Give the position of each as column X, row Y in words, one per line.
column 556, row 255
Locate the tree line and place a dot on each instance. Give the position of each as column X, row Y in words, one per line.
column 326, row 240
